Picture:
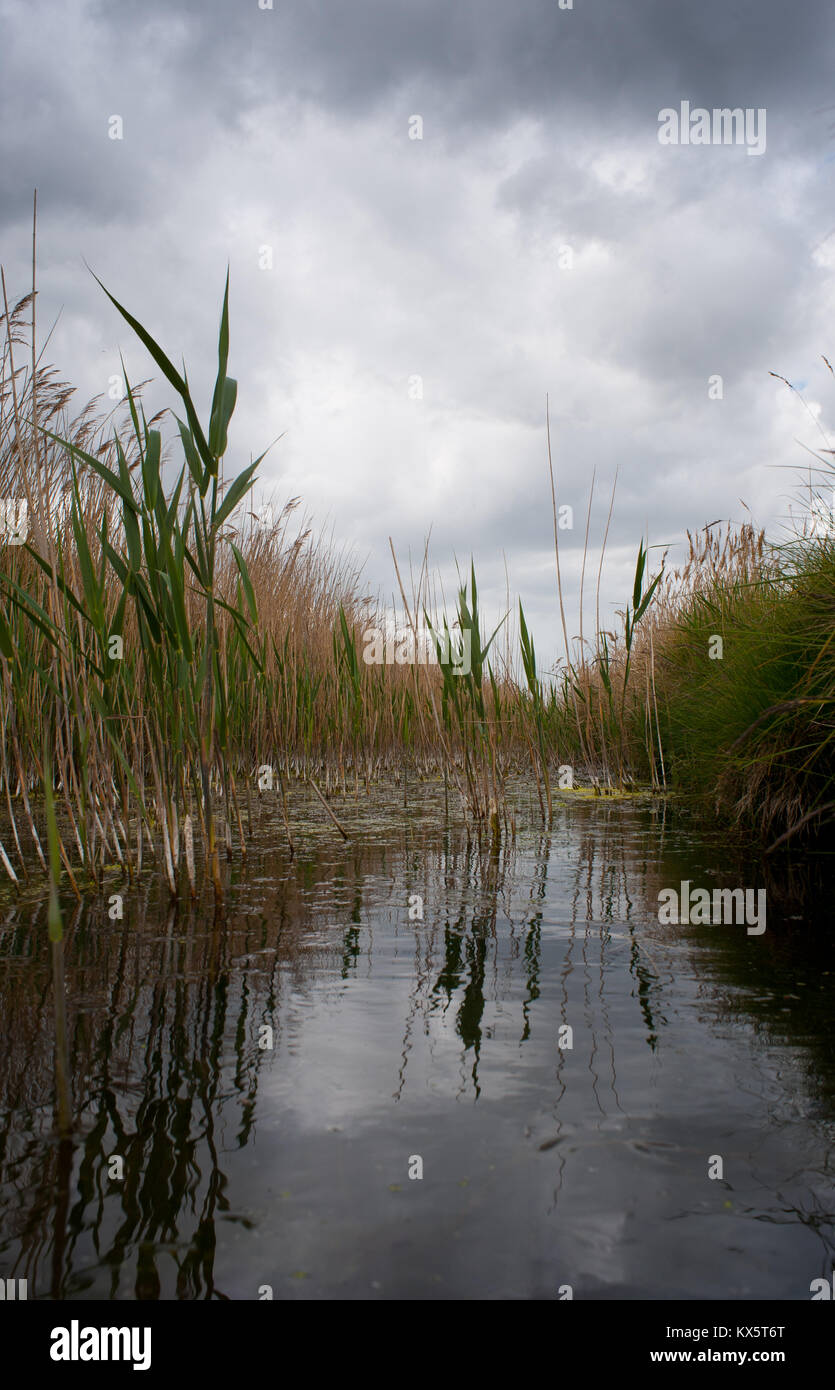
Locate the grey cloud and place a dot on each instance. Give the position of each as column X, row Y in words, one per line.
column 439, row 257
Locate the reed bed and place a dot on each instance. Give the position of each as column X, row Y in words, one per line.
column 170, row 658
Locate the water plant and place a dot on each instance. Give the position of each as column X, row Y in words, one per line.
column 155, row 561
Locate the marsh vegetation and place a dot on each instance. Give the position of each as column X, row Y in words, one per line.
column 163, row 646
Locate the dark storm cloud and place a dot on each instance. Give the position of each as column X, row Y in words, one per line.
column 179, row 71
column 440, row 257
column 495, row 60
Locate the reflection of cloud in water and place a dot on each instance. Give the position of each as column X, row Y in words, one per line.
column 584, row 1165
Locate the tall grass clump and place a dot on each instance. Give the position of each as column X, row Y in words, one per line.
column 117, row 567
column 727, row 693
column 462, row 661
column 752, row 731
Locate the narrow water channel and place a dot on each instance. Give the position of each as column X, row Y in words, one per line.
column 398, row 1068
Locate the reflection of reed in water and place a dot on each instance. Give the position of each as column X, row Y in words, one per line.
column 162, row 1030
column 163, row 1013
column 162, row 1027
column 458, row 954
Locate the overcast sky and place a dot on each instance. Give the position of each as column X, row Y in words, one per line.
column 443, row 257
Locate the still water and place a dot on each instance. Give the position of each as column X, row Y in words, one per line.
column 270, row 1079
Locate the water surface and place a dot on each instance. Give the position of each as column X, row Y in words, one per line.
column 395, row 1039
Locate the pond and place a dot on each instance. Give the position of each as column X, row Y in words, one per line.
column 403, row 1067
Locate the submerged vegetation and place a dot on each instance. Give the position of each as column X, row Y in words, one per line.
column 168, row 657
